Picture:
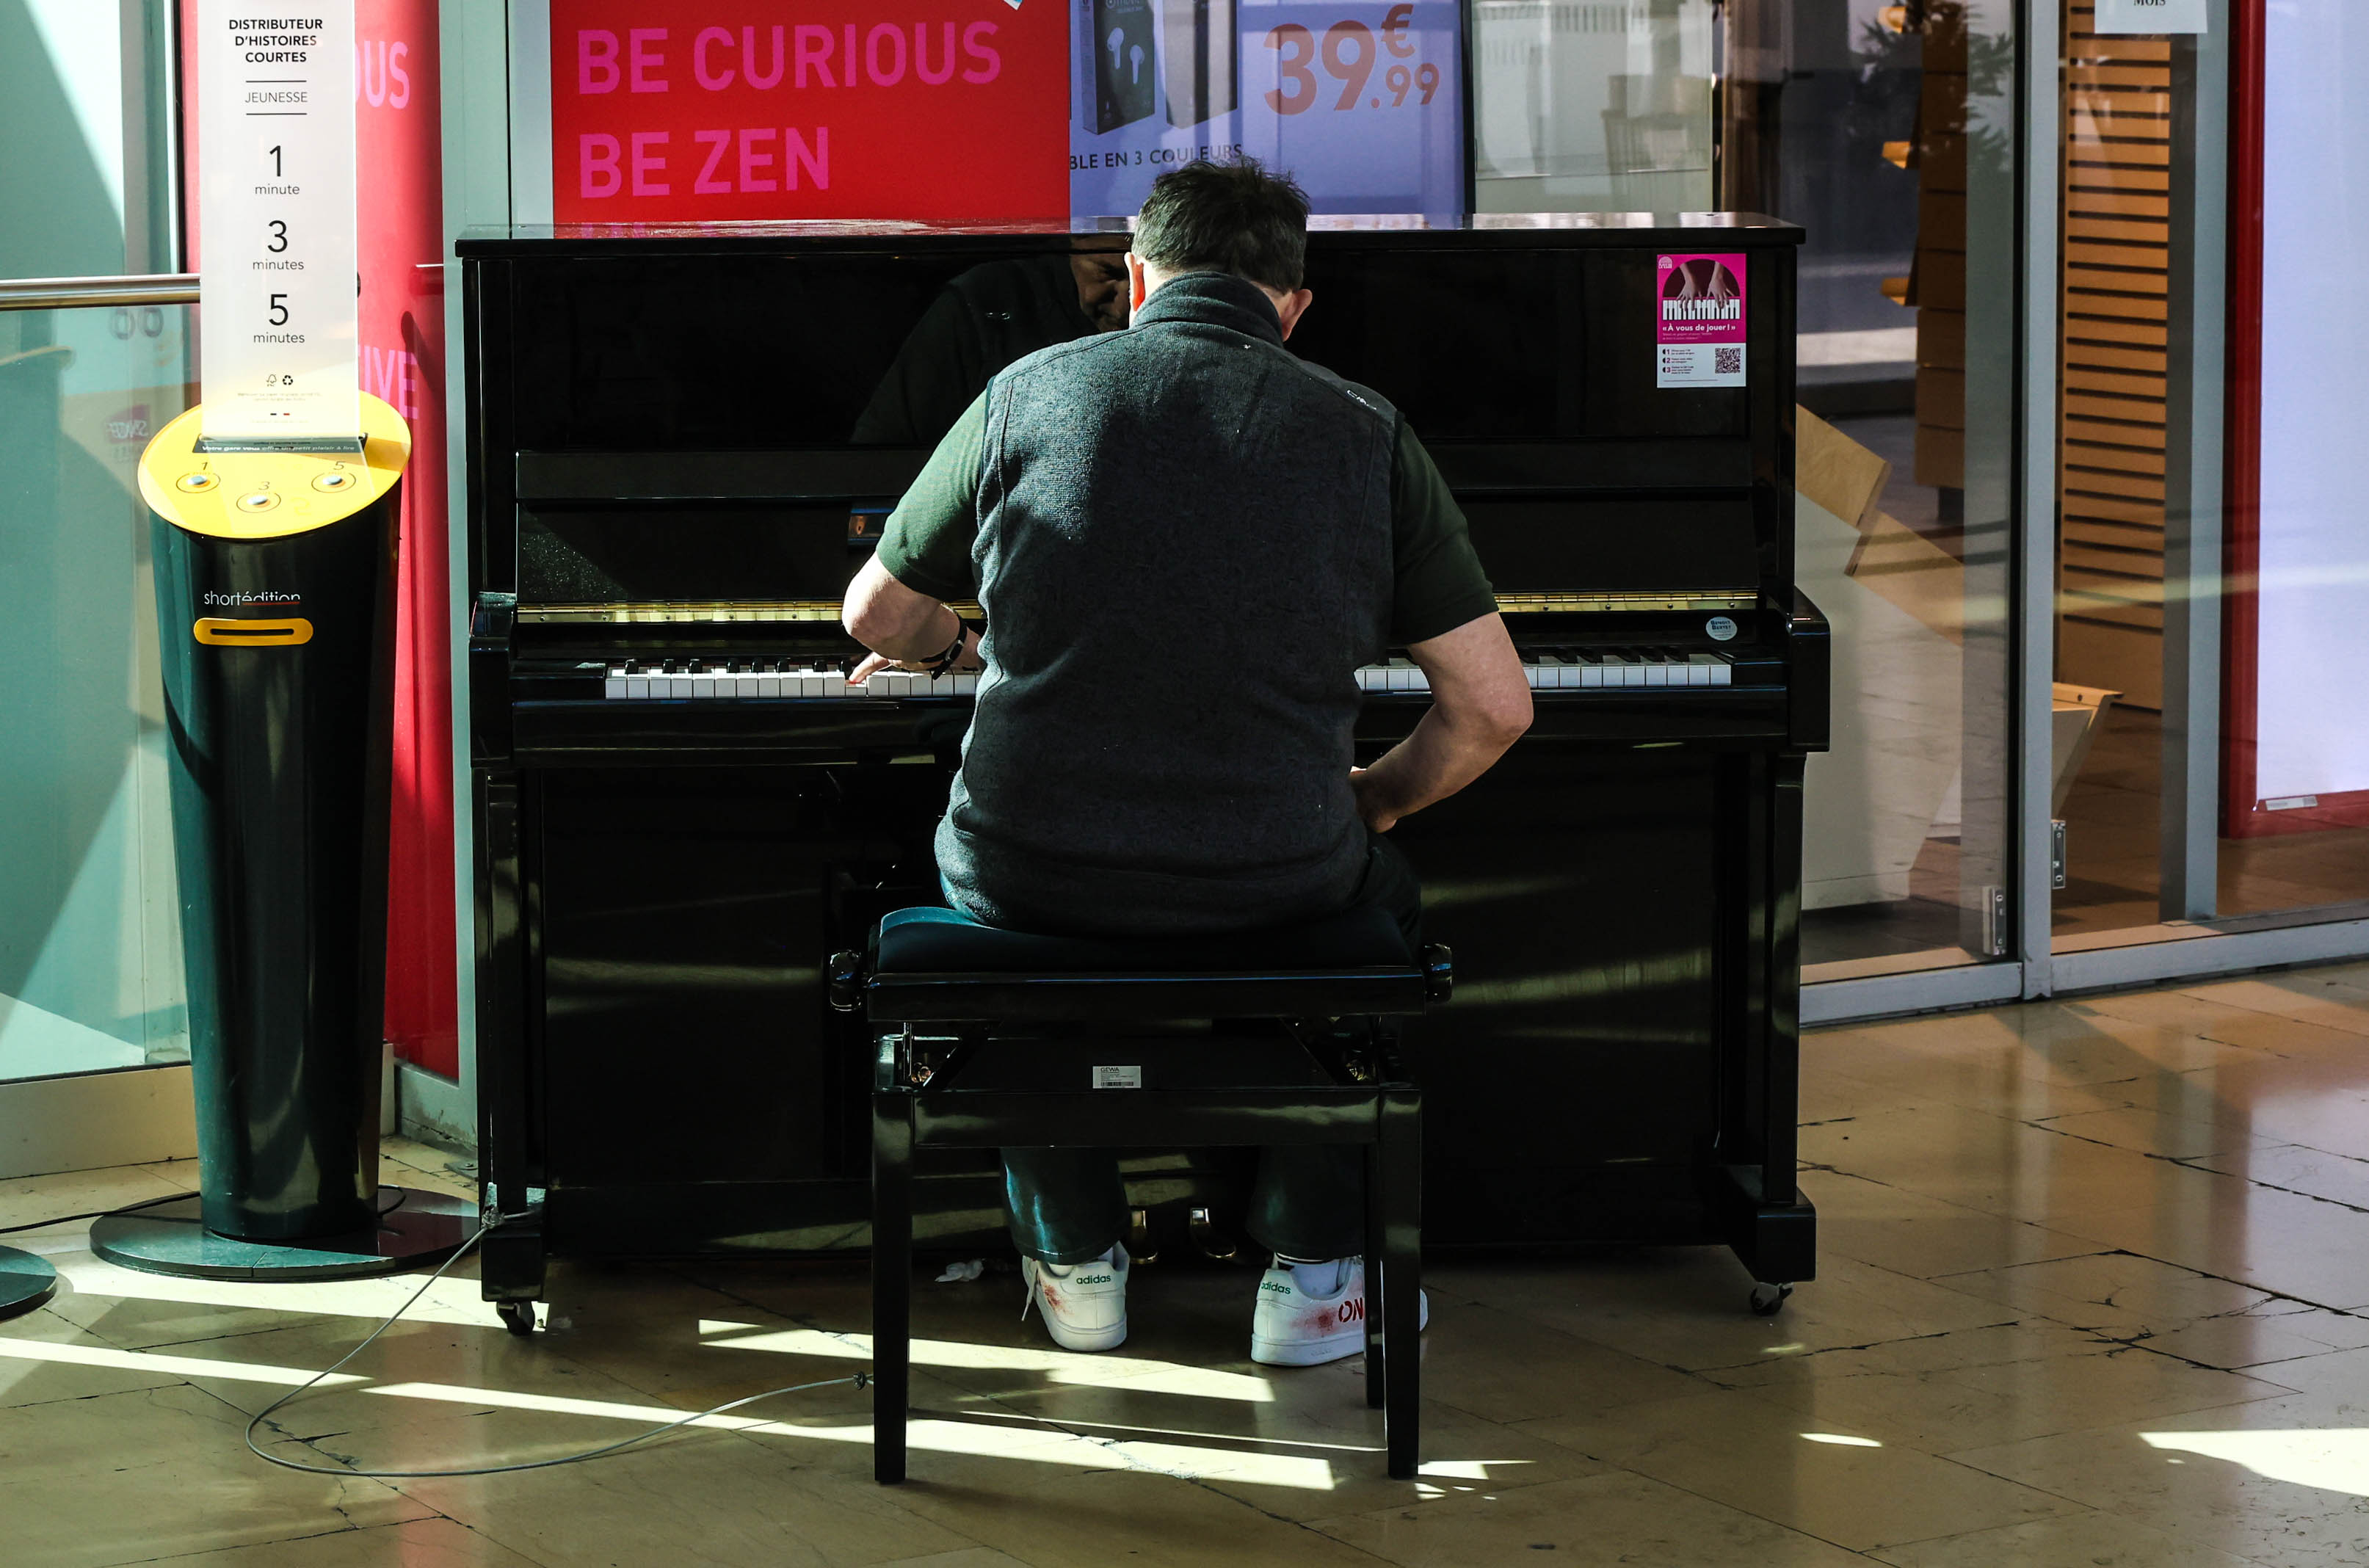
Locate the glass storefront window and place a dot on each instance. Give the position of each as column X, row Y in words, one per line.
column 2212, row 774
column 90, row 956
column 1886, row 132
column 1603, row 106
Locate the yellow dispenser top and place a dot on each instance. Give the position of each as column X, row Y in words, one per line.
column 269, row 495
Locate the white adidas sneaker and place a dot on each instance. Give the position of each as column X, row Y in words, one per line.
column 1308, row 1313
column 1084, row 1303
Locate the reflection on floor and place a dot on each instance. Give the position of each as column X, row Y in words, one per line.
column 2095, row 1291
column 2113, row 842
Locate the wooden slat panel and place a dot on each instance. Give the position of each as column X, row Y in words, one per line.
column 2140, row 78
column 2133, row 410
column 2122, row 98
column 2130, row 345
column 2094, row 173
column 2133, row 231
column 2100, row 520
column 2120, row 204
column 2135, row 486
column 2116, row 254
column 2122, row 50
column 2116, row 280
column 2102, row 457
column 2082, row 556
column 2121, row 307
column 2080, row 377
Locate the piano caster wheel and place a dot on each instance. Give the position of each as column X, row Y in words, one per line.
column 1767, row 1300
column 517, row 1316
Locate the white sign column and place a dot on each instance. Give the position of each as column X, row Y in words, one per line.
column 276, row 221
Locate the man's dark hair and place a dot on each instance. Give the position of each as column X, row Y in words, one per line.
column 1230, row 217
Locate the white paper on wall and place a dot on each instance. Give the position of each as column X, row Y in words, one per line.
column 276, row 220
column 2312, row 689
column 2150, row 16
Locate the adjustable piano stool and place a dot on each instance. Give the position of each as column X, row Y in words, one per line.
column 987, row 1037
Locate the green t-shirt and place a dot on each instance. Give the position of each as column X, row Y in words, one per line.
column 1437, row 583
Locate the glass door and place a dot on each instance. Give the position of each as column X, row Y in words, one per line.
column 2212, row 778
column 90, row 959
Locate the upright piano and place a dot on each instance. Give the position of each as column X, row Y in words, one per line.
column 681, row 443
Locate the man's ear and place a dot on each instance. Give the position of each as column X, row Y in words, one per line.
column 1291, row 307
column 1137, row 289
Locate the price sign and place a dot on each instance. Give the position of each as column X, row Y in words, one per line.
column 1360, row 100
column 276, row 219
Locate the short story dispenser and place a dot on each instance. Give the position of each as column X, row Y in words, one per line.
column 274, row 569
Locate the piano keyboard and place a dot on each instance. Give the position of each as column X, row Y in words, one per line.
column 1571, row 669
column 1549, row 670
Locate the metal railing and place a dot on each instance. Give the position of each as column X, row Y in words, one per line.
column 66, row 294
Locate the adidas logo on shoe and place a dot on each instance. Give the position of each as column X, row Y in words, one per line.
column 1084, row 1305
column 1293, row 1325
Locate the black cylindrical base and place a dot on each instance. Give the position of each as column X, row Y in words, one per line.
column 172, row 1238
column 25, row 1282
column 279, row 673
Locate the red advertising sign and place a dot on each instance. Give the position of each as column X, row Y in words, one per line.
column 935, row 111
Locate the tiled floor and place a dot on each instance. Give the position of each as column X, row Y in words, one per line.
column 2095, row 1292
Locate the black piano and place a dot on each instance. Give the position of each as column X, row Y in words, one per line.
column 681, row 443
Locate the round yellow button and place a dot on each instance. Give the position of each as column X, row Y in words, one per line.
column 335, row 479
column 259, row 500
column 195, row 482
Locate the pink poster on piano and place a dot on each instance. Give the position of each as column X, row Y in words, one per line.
column 1699, row 328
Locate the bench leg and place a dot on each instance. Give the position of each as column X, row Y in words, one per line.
column 892, row 1281
column 1400, row 1153
column 1375, row 1373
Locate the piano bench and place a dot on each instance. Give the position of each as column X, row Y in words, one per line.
column 985, row 1038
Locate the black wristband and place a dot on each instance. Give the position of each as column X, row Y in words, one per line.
column 954, row 653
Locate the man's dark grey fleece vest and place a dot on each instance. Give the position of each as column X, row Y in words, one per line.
column 1185, row 555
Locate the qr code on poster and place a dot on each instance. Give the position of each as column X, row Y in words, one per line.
column 1727, row 361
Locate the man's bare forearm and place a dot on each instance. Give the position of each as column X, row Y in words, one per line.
column 894, row 620
column 1446, row 752
column 1481, row 706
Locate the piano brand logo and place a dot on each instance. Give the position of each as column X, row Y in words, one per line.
column 232, row 599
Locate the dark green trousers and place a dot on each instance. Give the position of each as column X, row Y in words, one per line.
column 1066, row 1205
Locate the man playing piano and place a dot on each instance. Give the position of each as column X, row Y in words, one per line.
column 1186, row 542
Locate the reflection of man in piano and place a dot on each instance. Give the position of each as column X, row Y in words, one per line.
column 981, row 321
column 1187, row 542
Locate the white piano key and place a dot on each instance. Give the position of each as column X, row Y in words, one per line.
column 678, row 685
column 1722, row 673
column 942, row 685
column 613, row 686
column 637, row 686
column 967, row 684
column 703, row 684
column 833, row 683
column 769, row 686
column 1656, row 674
column 750, row 685
column 1591, row 675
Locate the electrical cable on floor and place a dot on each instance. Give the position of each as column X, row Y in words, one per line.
column 93, row 1214
column 860, row 1380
